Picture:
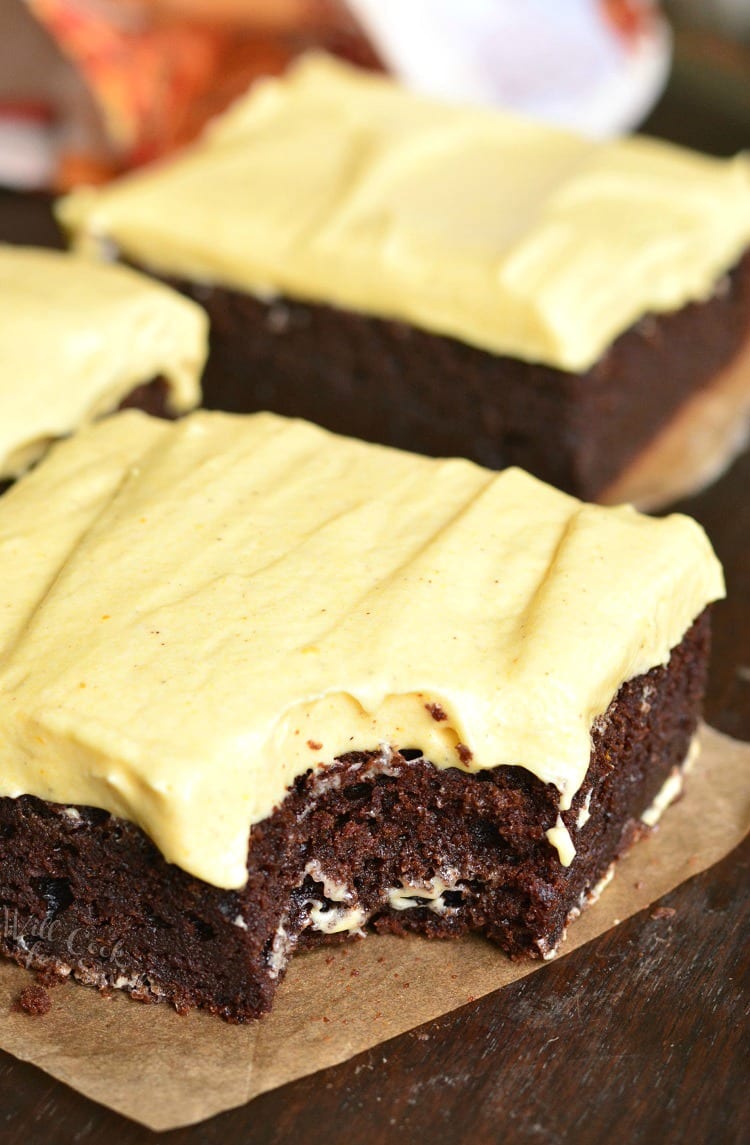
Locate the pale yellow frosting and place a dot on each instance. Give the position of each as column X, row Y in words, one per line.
column 76, row 338
column 339, row 186
column 194, row 613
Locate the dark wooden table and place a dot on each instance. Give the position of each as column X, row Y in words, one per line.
column 641, row 1036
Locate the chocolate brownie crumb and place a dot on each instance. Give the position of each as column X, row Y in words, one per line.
column 465, row 754
column 436, row 712
column 34, row 1000
column 663, row 912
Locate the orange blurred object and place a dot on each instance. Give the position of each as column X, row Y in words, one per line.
column 629, row 17
column 269, row 15
column 159, row 69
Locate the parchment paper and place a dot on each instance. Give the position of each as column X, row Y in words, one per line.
column 372, row 990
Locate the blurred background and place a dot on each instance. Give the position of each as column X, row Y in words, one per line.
column 90, row 88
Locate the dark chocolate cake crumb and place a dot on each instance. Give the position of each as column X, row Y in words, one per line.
column 663, row 912
column 436, row 712
column 34, row 1001
column 465, row 754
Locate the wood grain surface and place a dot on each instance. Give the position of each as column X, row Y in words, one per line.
column 639, row 1037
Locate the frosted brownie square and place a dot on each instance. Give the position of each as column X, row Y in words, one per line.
column 263, row 687
column 452, row 280
column 78, row 339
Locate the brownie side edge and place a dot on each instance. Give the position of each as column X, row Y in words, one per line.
column 389, row 382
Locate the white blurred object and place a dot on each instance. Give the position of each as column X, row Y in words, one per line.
column 27, row 154
column 564, row 61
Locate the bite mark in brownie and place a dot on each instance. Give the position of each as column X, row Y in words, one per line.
column 380, row 839
column 389, row 382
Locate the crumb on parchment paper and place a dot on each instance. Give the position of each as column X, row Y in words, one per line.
column 34, row 1001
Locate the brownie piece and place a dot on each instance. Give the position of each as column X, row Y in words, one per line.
column 390, row 382
column 80, row 339
column 282, row 677
column 380, row 840
column 453, row 280
column 150, row 397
